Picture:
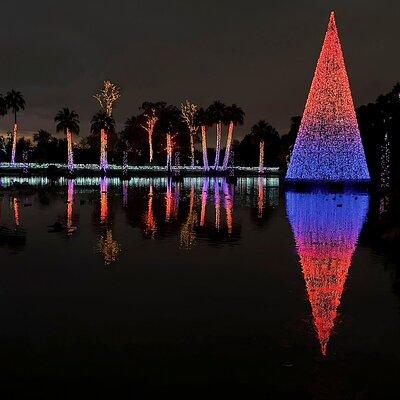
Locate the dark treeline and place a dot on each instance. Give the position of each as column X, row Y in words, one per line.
column 377, row 120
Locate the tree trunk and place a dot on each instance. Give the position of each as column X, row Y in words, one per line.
column 218, row 145
column 228, row 145
column 261, row 162
column 103, row 151
column 70, row 151
column 151, row 146
column 14, row 143
column 192, row 149
column 204, row 147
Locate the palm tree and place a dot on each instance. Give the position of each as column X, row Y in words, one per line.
column 15, row 102
column 103, row 123
column 68, row 122
column 234, row 116
column 263, row 133
column 3, row 106
column 217, row 111
column 203, row 120
column 171, row 123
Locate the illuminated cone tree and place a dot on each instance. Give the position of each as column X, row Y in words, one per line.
column 326, row 229
column 328, row 146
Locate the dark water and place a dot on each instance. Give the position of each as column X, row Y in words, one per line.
column 196, row 288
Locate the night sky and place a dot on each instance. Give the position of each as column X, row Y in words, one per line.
column 258, row 54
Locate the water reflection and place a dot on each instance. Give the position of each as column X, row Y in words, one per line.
column 326, row 228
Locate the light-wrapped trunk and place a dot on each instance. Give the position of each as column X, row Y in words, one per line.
column 150, row 146
column 192, row 149
column 218, row 145
column 204, row 147
column 103, row 150
column 14, row 143
column 169, row 151
column 229, row 139
column 70, row 151
column 261, row 162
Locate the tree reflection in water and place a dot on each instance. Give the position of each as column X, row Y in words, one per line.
column 326, row 228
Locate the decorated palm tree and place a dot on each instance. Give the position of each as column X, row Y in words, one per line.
column 263, row 133
column 102, row 123
column 202, row 119
column 68, row 122
column 14, row 102
column 217, row 111
column 234, row 116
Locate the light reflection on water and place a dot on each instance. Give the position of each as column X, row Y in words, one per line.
column 246, row 265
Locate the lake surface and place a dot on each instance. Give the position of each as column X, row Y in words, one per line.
column 111, row 288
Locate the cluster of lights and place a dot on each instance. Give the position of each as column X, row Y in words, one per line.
column 229, row 139
column 326, row 228
column 107, row 97
column 261, row 159
column 188, row 234
column 14, row 143
column 108, row 248
column 218, row 145
column 189, row 110
column 70, row 161
column 204, row 147
column 328, row 146
column 149, row 125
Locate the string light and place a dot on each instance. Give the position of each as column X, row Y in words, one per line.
column 228, row 207
column 217, row 203
column 149, row 125
column 189, row 110
column 169, row 201
column 188, row 233
column 16, row 211
column 107, row 97
column 70, row 151
column 204, row 147
column 109, row 248
column 326, row 228
column 218, row 145
column 260, row 197
column 204, row 195
column 150, row 221
column 328, row 146
column 261, row 160
column 231, row 128
column 103, row 200
column 14, row 143
column 70, row 205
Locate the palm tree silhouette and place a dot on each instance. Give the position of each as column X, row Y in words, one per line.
column 203, row 120
column 3, row 106
column 15, row 102
column 68, row 122
column 103, row 123
column 234, row 116
column 263, row 133
column 217, row 111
